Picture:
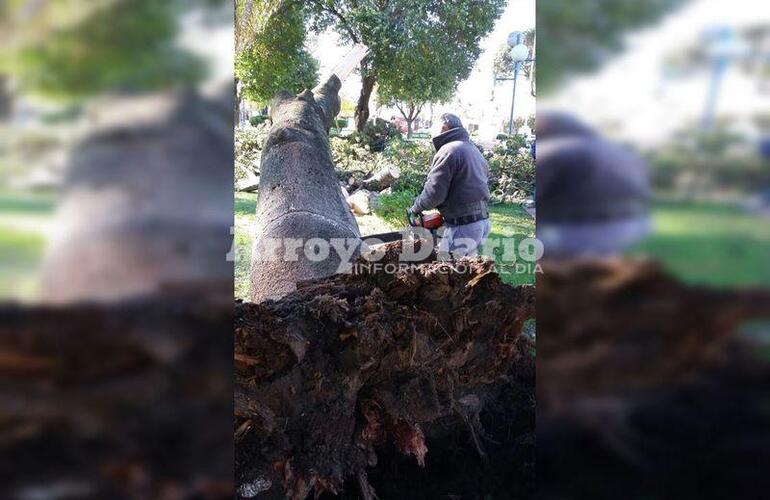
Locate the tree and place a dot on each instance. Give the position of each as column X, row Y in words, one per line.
column 251, row 20
column 408, row 39
column 413, row 77
column 270, row 50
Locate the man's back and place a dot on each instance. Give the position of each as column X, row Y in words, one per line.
column 458, row 177
column 457, row 185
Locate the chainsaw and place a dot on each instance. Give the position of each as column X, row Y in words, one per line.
column 432, row 221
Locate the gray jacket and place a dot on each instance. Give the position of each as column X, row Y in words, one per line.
column 458, row 181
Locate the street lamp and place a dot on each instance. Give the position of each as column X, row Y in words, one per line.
column 519, row 54
column 722, row 47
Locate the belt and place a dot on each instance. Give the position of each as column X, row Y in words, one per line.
column 467, row 219
column 458, row 215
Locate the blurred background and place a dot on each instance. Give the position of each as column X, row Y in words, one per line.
column 100, row 102
column 653, row 177
column 116, row 154
column 685, row 85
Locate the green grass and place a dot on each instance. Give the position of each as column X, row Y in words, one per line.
column 20, row 254
column 22, row 239
column 27, row 203
column 245, row 217
column 511, row 221
column 710, row 243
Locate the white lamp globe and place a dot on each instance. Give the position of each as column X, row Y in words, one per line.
column 513, row 38
column 519, row 53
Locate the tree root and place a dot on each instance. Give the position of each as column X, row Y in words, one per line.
column 345, row 365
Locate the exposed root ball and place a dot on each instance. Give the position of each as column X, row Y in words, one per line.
column 347, row 363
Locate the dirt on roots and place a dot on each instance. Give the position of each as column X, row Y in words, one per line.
column 421, row 372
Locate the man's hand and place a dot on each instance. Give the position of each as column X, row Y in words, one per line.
column 413, row 217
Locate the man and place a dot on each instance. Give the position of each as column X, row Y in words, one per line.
column 457, row 185
column 592, row 194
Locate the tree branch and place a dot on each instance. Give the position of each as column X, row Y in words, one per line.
column 402, row 111
column 419, row 108
column 331, row 10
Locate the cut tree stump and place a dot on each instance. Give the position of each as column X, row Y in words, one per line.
column 362, row 201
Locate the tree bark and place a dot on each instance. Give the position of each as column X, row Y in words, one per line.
column 362, row 107
column 381, row 179
column 414, row 112
column 237, row 104
column 299, row 192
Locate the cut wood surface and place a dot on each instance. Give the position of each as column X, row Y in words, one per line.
column 362, row 201
column 380, row 180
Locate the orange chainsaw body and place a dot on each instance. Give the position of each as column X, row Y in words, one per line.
column 432, row 220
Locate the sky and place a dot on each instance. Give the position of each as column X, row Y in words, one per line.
column 630, row 98
column 474, row 101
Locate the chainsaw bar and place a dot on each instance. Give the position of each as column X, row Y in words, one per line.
column 386, row 237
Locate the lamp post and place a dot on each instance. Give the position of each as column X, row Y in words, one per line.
column 722, row 47
column 519, row 54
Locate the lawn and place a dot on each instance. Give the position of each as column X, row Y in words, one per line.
column 245, row 217
column 509, row 220
column 710, row 243
column 24, row 222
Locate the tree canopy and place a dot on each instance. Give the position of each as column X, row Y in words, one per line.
column 418, row 49
column 426, row 71
column 273, row 57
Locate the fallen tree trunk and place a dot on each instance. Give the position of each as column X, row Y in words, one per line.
column 338, row 369
column 362, row 201
column 250, row 184
column 146, row 201
column 299, row 195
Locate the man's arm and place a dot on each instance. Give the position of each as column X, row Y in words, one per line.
column 436, row 185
